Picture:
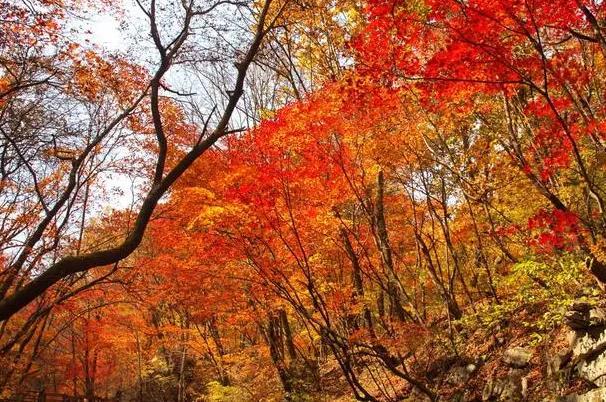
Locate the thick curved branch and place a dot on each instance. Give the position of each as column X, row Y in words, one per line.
column 79, row 263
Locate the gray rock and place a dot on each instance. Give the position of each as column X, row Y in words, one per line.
column 489, row 390
column 589, row 353
column 582, row 316
column 571, row 337
column 597, row 317
column 417, row 396
column 595, row 395
column 513, row 387
column 576, row 320
column 517, row 357
column 458, row 375
column 559, row 361
column 524, row 387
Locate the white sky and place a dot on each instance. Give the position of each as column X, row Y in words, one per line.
column 127, row 34
column 105, row 32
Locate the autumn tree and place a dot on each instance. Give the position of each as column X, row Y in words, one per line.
column 114, row 104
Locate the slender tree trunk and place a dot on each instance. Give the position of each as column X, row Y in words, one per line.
column 394, row 290
column 357, row 279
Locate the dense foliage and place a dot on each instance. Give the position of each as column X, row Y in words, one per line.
column 410, row 177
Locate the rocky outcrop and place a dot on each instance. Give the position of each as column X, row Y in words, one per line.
column 584, row 359
column 583, row 316
column 569, row 367
column 459, row 375
column 559, row 362
column 588, row 342
column 514, row 386
column 595, row 395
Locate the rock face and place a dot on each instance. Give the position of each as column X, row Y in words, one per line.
column 588, row 352
column 510, row 388
column 578, row 366
column 589, row 342
column 514, row 386
column 559, row 361
column 458, row 375
column 585, row 358
column 582, row 316
column 595, row 395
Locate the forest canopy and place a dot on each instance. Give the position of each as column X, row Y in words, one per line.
column 305, row 200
